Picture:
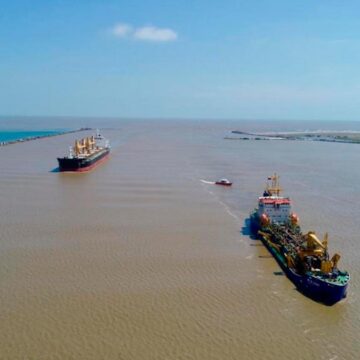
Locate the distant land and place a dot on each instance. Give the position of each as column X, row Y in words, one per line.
column 351, row 137
column 9, row 137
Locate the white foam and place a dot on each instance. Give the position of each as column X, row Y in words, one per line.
column 208, row 182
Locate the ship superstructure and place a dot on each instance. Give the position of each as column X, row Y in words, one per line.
column 85, row 154
column 273, row 206
column 303, row 257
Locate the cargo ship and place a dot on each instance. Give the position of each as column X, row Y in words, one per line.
column 304, row 258
column 85, row 154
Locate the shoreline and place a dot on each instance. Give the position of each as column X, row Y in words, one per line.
column 32, row 138
column 348, row 137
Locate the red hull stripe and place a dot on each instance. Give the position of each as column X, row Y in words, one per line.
column 275, row 201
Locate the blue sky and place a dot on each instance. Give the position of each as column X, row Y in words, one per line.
column 259, row 59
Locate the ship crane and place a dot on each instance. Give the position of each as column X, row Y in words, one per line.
column 84, row 146
column 317, row 249
column 79, row 147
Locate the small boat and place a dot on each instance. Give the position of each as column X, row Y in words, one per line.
column 224, row 182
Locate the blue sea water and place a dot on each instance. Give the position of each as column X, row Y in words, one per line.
column 13, row 135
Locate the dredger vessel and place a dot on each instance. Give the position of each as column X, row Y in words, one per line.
column 303, row 257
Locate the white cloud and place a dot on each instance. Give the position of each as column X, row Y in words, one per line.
column 152, row 33
column 145, row 33
column 122, row 30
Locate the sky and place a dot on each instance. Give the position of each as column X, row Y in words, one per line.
column 230, row 59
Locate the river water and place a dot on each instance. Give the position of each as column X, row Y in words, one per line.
column 140, row 259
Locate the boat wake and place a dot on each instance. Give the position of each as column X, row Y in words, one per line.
column 228, row 210
column 208, row 182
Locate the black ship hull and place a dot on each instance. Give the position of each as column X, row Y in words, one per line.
column 82, row 164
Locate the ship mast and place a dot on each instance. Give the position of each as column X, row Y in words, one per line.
column 273, row 188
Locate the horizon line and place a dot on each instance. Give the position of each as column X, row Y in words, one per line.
column 171, row 118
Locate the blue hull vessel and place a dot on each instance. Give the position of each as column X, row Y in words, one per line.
column 327, row 290
column 303, row 257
